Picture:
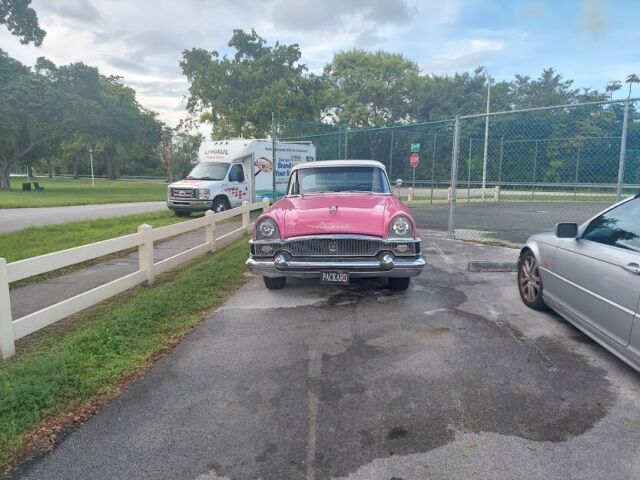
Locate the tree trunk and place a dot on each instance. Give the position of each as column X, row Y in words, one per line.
column 74, row 167
column 108, row 156
column 5, row 170
column 50, row 165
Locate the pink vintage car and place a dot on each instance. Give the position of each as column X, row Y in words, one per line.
column 337, row 221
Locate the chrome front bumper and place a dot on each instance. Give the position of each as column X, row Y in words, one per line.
column 283, row 265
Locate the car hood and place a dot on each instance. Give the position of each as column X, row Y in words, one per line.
column 192, row 183
column 359, row 214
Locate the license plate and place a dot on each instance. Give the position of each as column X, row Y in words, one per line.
column 334, row 278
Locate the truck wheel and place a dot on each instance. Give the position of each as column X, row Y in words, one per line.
column 182, row 213
column 399, row 283
column 274, row 283
column 220, row 205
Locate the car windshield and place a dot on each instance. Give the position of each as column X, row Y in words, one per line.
column 209, row 171
column 338, row 179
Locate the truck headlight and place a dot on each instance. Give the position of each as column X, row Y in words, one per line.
column 204, row 193
column 266, row 229
column 401, row 227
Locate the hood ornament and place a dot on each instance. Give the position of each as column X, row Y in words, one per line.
column 333, row 209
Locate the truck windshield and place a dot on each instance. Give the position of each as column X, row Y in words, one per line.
column 209, row 171
column 338, row 179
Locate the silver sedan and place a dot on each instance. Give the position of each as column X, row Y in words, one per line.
column 590, row 274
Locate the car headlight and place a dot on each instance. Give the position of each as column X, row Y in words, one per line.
column 266, row 229
column 203, row 193
column 401, row 227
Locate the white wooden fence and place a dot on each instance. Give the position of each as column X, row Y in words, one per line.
column 12, row 330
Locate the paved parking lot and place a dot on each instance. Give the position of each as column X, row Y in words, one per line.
column 454, row 378
column 511, row 222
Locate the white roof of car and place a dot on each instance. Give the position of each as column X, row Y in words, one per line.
column 339, row 163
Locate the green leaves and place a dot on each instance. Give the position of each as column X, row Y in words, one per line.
column 22, row 21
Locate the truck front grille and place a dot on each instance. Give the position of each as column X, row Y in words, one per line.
column 183, row 193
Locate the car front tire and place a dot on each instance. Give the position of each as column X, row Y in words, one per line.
column 530, row 282
column 399, row 283
column 274, row 283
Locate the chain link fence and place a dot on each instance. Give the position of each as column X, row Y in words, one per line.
column 541, row 166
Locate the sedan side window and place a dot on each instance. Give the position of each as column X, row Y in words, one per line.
column 619, row 227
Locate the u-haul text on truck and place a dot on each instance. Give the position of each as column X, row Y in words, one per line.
column 229, row 172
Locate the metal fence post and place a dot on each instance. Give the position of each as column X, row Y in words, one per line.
column 433, row 166
column 245, row 216
column 500, row 168
column 346, row 143
column 145, row 252
column 454, row 176
column 469, row 173
column 7, row 340
column 535, row 166
column 210, row 230
column 274, row 160
column 391, row 155
column 265, row 204
column 623, row 151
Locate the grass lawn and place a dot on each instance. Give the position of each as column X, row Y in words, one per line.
column 67, row 191
column 34, row 241
column 65, row 372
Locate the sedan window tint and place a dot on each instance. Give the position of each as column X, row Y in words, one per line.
column 619, row 227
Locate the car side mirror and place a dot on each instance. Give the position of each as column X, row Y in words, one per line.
column 567, row 230
column 399, row 182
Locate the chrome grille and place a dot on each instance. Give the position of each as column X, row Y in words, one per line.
column 183, row 193
column 345, row 247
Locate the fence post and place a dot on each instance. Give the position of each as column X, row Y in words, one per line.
column 265, row 204
column 496, row 193
column 455, row 154
column 391, row 155
column 433, row 166
column 145, row 252
column 210, row 230
column 535, row 166
column 410, row 195
column 623, row 151
column 245, row 216
column 469, row 173
column 7, row 341
column 500, row 167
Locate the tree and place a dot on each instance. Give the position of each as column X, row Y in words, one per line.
column 237, row 95
column 613, row 86
column 22, row 21
column 166, row 152
column 631, row 79
column 370, row 89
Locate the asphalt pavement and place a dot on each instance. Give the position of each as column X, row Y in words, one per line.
column 452, row 379
column 12, row 219
column 510, row 222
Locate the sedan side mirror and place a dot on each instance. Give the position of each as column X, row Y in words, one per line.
column 567, row 230
column 399, row 182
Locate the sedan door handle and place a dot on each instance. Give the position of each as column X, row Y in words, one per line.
column 633, row 268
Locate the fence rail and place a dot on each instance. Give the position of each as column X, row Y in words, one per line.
column 12, row 330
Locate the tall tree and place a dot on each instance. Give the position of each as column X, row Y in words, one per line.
column 236, row 95
column 370, row 89
column 21, row 20
column 631, row 79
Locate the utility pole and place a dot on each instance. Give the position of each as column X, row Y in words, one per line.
column 623, row 151
column 273, row 155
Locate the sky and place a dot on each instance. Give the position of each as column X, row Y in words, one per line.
column 589, row 41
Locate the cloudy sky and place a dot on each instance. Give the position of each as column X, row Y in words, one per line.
column 590, row 41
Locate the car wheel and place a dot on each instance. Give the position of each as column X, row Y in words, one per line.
column 530, row 282
column 399, row 283
column 220, row 205
column 182, row 213
column 274, row 283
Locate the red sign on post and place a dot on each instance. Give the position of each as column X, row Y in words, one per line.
column 414, row 160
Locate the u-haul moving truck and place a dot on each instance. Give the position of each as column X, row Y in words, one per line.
column 229, row 172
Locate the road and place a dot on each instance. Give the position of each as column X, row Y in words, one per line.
column 454, row 378
column 12, row 219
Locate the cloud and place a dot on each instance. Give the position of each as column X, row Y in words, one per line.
column 80, row 10
column 594, row 19
column 331, row 15
column 468, row 54
column 533, row 11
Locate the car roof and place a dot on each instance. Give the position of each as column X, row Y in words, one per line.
column 340, row 163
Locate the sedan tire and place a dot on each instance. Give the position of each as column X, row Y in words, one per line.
column 530, row 282
column 274, row 283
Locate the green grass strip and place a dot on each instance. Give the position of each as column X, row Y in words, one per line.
column 67, row 191
column 34, row 241
column 70, row 363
